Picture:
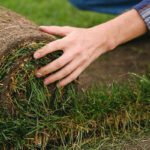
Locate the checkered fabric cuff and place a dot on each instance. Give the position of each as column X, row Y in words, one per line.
column 144, row 10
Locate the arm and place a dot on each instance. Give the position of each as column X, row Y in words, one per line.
column 82, row 46
column 126, row 27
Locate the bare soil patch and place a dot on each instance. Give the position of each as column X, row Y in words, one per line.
column 133, row 57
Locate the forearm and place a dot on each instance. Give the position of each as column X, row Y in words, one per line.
column 124, row 28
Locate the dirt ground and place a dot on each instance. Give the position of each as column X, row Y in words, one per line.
column 114, row 66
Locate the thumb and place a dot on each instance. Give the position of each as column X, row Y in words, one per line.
column 57, row 30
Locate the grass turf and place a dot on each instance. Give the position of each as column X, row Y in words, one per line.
column 79, row 121
column 22, row 94
column 98, row 119
column 37, row 119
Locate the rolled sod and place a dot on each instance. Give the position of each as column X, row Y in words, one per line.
column 19, row 38
column 23, row 97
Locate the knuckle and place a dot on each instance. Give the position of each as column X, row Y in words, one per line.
column 41, row 51
column 48, row 80
column 72, row 78
column 69, row 41
column 84, row 56
column 53, row 44
column 45, row 71
column 60, row 44
column 57, row 42
column 78, row 52
column 58, row 65
column 53, row 78
column 66, row 72
column 47, row 46
column 57, row 76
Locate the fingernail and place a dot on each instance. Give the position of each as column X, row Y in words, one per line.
column 37, row 55
column 38, row 74
column 46, row 82
column 41, row 27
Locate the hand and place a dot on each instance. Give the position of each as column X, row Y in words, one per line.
column 80, row 48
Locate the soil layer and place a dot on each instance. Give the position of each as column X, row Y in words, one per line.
column 133, row 57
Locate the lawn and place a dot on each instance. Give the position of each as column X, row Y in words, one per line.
column 104, row 117
column 54, row 12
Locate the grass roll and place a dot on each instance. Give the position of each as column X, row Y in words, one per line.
column 34, row 116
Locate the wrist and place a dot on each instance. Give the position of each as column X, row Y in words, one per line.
column 108, row 35
column 126, row 27
column 121, row 29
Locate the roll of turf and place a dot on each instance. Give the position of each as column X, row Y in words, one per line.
column 33, row 116
column 21, row 93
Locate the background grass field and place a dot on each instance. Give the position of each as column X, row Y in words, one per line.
column 54, row 12
column 113, row 98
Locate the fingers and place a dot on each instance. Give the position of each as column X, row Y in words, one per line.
column 56, row 30
column 80, row 44
column 49, row 48
column 55, row 65
column 73, row 76
column 63, row 72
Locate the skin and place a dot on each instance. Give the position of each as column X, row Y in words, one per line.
column 81, row 46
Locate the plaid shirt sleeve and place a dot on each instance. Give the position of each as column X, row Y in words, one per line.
column 144, row 10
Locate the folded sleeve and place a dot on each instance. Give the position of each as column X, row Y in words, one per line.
column 144, row 10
